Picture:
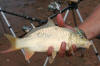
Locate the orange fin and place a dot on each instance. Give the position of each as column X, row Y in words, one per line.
column 28, row 54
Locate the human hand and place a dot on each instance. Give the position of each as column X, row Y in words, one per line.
column 62, row 49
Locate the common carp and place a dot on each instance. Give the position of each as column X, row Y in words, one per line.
column 40, row 38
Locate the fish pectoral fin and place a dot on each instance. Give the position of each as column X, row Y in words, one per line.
column 28, row 53
column 51, row 58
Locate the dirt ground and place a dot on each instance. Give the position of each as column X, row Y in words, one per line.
column 39, row 8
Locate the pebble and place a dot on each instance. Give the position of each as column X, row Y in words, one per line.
column 8, row 60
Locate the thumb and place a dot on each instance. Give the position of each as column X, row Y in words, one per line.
column 69, row 27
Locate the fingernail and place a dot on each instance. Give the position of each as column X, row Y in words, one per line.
column 62, row 49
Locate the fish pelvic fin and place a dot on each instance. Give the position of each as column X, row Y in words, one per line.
column 28, row 53
column 13, row 43
column 51, row 58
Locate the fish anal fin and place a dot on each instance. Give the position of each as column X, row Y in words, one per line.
column 28, row 54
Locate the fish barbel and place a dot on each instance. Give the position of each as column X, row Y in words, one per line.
column 40, row 38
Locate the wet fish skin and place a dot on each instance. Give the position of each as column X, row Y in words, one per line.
column 51, row 36
column 39, row 39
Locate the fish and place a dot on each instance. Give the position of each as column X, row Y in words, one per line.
column 40, row 38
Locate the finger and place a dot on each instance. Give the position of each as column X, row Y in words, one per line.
column 51, row 54
column 60, row 20
column 72, row 50
column 50, row 50
column 62, row 49
column 61, row 23
column 69, row 27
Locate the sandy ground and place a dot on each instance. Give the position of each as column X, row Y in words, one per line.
column 39, row 8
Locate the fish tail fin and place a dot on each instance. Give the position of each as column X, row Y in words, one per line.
column 13, row 43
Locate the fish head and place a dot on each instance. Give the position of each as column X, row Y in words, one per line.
column 84, row 43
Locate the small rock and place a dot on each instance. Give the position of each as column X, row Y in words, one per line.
column 8, row 60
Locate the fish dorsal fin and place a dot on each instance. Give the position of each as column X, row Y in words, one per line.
column 28, row 53
column 50, row 23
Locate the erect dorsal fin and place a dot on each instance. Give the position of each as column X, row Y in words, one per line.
column 49, row 24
